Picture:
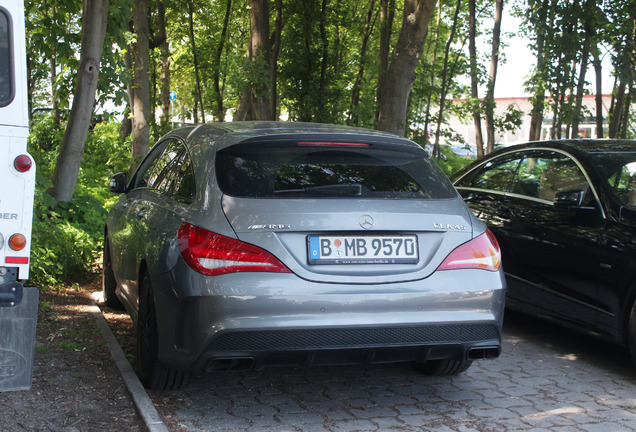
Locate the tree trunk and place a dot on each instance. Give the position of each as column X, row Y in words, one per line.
column 164, row 94
column 431, row 82
column 599, row 95
column 387, row 14
column 323, row 113
column 492, row 78
column 625, row 117
column 255, row 104
column 576, row 119
column 275, row 44
column 140, row 84
column 94, row 18
column 445, row 83
column 195, row 60
column 395, row 90
column 538, row 99
column 164, row 75
column 219, row 111
column 474, row 81
column 355, row 93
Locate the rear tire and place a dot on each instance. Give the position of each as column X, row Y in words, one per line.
column 631, row 333
column 152, row 373
column 109, row 283
column 444, row 367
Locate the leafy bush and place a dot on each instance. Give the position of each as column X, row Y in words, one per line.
column 450, row 162
column 68, row 237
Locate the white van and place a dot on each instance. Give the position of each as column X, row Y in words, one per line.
column 18, row 304
column 17, row 168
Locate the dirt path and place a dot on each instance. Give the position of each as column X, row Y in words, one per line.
column 76, row 385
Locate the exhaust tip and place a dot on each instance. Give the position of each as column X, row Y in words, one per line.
column 483, row 353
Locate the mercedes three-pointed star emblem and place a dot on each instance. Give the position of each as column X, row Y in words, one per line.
column 366, row 222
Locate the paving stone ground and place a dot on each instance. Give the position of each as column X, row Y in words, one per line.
column 547, row 379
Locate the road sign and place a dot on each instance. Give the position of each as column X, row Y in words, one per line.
column 173, row 96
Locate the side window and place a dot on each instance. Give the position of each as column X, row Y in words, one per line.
column 535, row 174
column 161, row 172
column 529, row 176
column 6, row 76
column 560, row 173
column 181, row 183
column 624, row 184
column 170, row 172
column 496, row 175
column 148, row 166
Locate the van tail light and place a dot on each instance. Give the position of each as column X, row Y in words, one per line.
column 482, row 252
column 17, row 242
column 22, row 163
column 213, row 254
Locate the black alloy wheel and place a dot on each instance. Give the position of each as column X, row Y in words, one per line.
column 152, row 373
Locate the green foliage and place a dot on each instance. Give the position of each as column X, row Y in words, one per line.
column 450, row 162
column 67, row 238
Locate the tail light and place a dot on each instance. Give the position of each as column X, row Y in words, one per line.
column 482, row 252
column 17, row 242
column 213, row 254
column 22, row 163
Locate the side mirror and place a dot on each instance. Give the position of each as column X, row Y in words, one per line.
column 567, row 200
column 118, row 183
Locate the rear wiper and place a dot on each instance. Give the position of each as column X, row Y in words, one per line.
column 347, row 189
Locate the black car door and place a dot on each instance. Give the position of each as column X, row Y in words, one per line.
column 550, row 252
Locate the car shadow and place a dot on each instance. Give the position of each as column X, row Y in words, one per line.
column 568, row 343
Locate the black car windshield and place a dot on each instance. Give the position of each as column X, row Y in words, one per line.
column 618, row 169
column 273, row 170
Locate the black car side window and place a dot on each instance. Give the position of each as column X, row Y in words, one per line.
column 560, row 173
column 496, row 175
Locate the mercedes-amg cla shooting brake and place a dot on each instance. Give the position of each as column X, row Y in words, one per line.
column 246, row 245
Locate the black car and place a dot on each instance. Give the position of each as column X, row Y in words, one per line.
column 564, row 213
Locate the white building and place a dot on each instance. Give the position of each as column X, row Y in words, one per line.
column 587, row 128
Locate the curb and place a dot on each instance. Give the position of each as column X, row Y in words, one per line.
column 151, row 418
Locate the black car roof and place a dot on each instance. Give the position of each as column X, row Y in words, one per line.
column 586, row 145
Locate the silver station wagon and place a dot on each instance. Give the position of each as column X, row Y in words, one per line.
column 254, row 244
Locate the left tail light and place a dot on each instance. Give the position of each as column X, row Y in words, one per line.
column 482, row 252
column 213, row 254
column 22, row 163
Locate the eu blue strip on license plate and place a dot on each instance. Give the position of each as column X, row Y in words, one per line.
column 362, row 249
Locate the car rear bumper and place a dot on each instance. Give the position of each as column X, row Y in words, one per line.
column 262, row 348
column 245, row 321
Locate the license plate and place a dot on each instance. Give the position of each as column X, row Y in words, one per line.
column 362, row 249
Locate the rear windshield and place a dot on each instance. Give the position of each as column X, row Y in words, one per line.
column 272, row 170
